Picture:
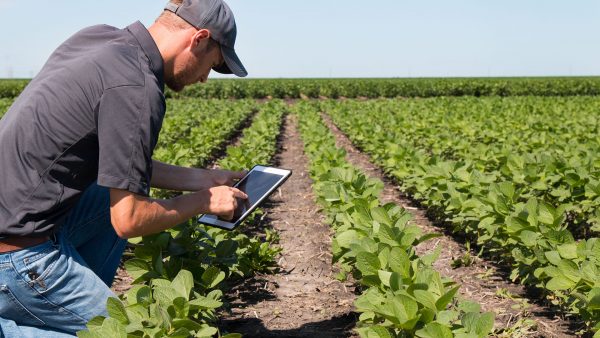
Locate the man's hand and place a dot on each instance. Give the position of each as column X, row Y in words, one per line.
column 224, row 201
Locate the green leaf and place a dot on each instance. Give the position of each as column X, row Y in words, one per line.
column 399, row 262
column 380, row 215
column 507, row 189
column 429, row 236
column 159, row 265
column 432, row 256
column 165, row 295
column 207, row 331
column 183, row 283
column 546, row 213
column 116, row 310
column 568, row 251
column 386, row 235
column 136, row 295
column 205, row 303
column 113, row 328
column 188, row 324
column 375, row 331
column 160, row 282
column 570, row 270
column 426, row 299
column 89, row 334
column 434, row 330
column 180, row 333
column 367, row 263
column 212, row 277
column 384, row 277
column 136, row 267
column 404, row 309
column 330, row 194
column 593, row 299
column 182, row 307
column 469, row 306
column 553, row 257
column 226, row 248
column 443, row 301
column 529, row 238
column 447, row 317
column 96, row 322
column 559, row 283
column 345, row 238
column 395, row 281
column 137, row 312
column 159, row 315
column 480, row 324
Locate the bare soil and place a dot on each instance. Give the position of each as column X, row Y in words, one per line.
column 303, row 299
column 122, row 281
column 481, row 281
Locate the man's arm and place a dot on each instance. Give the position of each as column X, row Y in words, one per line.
column 133, row 215
column 166, row 176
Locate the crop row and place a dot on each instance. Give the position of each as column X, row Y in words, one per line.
column 193, row 130
column 180, row 273
column 372, row 88
column 401, row 294
column 507, row 176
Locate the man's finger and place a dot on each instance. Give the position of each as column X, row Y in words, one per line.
column 238, row 193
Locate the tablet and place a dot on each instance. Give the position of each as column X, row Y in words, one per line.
column 258, row 184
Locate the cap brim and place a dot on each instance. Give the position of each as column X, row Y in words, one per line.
column 232, row 64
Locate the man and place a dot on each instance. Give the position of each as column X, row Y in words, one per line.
column 76, row 166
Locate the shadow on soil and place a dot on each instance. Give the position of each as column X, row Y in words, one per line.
column 340, row 326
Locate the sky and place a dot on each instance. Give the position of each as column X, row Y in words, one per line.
column 376, row 38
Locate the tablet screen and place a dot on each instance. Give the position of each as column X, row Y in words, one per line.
column 255, row 185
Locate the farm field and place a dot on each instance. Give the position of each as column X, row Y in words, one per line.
column 507, row 176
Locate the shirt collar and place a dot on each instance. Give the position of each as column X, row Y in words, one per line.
column 149, row 47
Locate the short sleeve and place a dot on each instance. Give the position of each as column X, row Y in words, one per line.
column 128, row 129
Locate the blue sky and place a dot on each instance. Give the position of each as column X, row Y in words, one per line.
column 377, row 38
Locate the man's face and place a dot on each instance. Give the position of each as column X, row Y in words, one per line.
column 194, row 64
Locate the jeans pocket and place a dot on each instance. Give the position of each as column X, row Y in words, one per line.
column 11, row 308
column 40, row 266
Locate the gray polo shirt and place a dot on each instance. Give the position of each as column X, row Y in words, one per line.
column 93, row 112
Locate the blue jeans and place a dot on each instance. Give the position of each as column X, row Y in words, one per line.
column 53, row 289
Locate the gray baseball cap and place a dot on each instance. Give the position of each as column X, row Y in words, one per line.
column 217, row 17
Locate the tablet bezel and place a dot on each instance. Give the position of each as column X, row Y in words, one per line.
column 213, row 220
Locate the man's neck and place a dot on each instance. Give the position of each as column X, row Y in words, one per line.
column 169, row 43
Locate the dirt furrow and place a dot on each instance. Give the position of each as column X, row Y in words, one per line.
column 303, row 299
column 481, row 281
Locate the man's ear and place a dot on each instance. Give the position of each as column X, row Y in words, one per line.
column 199, row 36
